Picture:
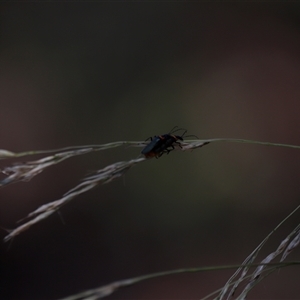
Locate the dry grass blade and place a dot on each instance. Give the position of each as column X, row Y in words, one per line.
column 293, row 244
column 243, row 269
column 9, row 154
column 26, row 171
column 256, row 276
column 279, row 250
column 191, row 145
column 266, row 273
column 106, row 290
column 6, row 154
column 105, row 175
column 21, row 228
column 100, row 292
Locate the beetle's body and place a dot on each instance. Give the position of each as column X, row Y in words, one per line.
column 161, row 144
column 151, row 149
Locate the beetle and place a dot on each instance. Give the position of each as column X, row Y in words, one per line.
column 161, row 144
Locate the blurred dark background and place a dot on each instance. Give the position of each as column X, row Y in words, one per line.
column 92, row 73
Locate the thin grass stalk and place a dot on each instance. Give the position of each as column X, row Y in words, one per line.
column 102, row 176
column 257, row 274
column 249, row 260
column 109, row 289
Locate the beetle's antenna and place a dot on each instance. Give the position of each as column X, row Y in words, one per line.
column 184, row 133
column 173, row 131
column 191, row 135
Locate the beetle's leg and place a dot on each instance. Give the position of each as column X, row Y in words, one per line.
column 173, row 148
column 169, row 150
column 160, row 154
column 163, row 152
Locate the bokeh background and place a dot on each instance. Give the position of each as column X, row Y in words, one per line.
column 91, row 73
